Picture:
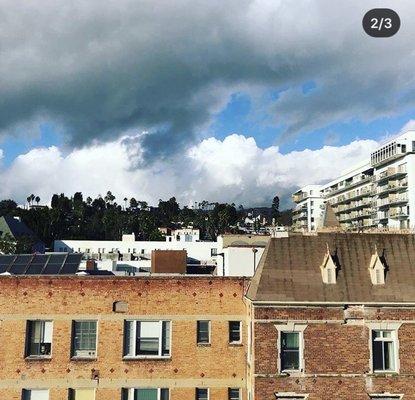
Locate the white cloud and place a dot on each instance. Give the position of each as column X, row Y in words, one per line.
column 234, row 170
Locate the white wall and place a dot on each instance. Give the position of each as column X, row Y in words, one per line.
column 239, row 261
column 198, row 250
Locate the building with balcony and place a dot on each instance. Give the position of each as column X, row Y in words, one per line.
column 378, row 192
column 307, row 213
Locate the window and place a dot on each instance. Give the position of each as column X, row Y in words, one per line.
column 383, row 350
column 203, row 332
column 39, row 338
column 213, row 252
column 147, row 338
column 234, row 394
column 290, row 351
column 35, row 394
column 84, row 342
column 234, row 331
column 202, row 394
column 81, row 394
column 145, row 394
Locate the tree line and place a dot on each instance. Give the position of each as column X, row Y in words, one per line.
column 102, row 218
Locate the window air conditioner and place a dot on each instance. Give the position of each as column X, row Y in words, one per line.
column 45, row 349
column 85, row 353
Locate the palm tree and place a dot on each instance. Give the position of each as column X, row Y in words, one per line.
column 37, row 199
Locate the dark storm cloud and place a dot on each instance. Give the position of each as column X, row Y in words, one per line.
column 97, row 69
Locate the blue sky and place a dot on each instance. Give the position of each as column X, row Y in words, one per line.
column 185, row 71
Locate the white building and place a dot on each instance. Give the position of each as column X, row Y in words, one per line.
column 308, row 211
column 379, row 192
column 233, row 255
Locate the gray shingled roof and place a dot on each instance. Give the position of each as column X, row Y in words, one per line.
column 289, row 270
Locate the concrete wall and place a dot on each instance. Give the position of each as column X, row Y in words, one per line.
column 182, row 300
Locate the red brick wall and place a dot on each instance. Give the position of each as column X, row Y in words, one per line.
column 336, row 354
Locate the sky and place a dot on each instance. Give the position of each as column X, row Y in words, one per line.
column 234, row 101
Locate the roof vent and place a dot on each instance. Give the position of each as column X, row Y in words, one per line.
column 377, row 269
column 328, row 268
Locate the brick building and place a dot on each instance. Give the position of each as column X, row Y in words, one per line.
column 333, row 317
column 152, row 337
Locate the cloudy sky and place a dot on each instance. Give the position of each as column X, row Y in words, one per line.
column 234, row 100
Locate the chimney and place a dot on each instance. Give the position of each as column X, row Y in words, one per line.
column 91, row 265
column 168, row 261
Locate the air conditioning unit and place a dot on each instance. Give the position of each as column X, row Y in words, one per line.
column 85, row 353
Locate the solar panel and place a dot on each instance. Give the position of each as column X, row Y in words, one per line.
column 51, row 269
column 71, row 264
column 37, row 264
column 57, row 258
column 74, row 258
column 20, row 264
column 5, row 261
column 69, row 269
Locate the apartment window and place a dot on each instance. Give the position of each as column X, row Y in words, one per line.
column 234, row 394
column 84, row 339
column 383, row 350
column 39, row 338
column 234, row 331
column 203, row 332
column 290, row 351
column 147, row 338
column 202, row 394
column 35, row 394
column 81, row 394
column 145, row 394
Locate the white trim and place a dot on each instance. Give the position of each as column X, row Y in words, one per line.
column 292, row 327
column 73, row 357
column 240, row 332
column 393, row 327
column 289, row 395
column 209, row 332
column 134, row 343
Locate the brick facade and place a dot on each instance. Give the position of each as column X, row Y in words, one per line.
column 183, row 300
column 337, row 352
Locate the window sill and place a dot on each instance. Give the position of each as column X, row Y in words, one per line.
column 83, row 358
column 235, row 344
column 384, row 373
column 204, row 344
column 138, row 358
column 38, row 358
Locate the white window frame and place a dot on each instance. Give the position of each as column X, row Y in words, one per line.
column 208, row 392
column 292, row 327
column 131, row 391
column 290, row 396
column 27, row 393
column 28, row 339
column 385, row 326
column 240, row 333
column 235, row 388
column 209, row 332
column 73, row 356
column 134, row 330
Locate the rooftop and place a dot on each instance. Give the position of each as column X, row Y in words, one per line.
column 289, row 270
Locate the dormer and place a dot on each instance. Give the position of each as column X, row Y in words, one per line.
column 377, row 269
column 328, row 268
